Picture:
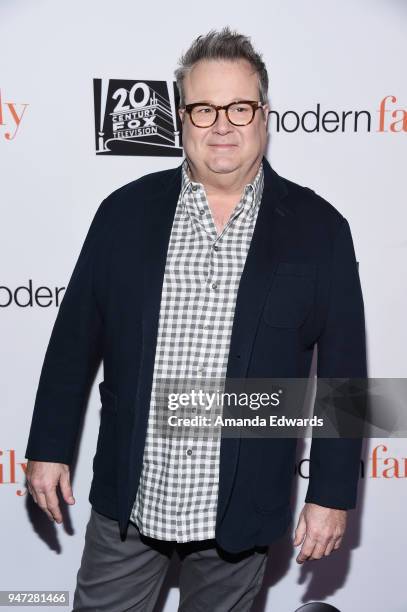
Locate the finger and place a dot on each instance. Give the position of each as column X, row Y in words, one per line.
column 338, row 543
column 53, row 505
column 306, row 550
column 300, row 531
column 42, row 503
column 66, row 488
column 318, row 551
column 329, row 548
column 32, row 493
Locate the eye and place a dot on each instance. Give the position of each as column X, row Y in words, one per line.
column 240, row 108
column 203, row 110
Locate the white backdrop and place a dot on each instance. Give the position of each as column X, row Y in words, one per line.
column 344, row 55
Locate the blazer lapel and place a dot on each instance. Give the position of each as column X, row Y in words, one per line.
column 253, row 288
column 256, row 276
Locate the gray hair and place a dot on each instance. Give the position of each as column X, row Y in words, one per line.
column 223, row 45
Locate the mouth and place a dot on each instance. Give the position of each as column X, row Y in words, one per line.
column 223, row 146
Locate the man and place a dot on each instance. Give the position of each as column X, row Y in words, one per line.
column 218, row 268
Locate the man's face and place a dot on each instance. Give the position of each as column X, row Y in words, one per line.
column 223, row 147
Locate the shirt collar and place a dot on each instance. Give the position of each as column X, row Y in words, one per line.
column 256, row 186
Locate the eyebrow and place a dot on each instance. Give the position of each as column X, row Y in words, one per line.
column 231, row 102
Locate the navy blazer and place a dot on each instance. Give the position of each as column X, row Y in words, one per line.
column 300, row 287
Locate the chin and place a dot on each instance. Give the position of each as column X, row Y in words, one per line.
column 224, row 168
column 223, row 165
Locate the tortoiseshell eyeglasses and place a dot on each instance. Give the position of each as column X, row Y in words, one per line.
column 204, row 114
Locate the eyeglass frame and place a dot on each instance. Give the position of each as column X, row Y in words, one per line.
column 189, row 108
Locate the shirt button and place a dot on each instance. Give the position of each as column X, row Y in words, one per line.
column 194, row 187
column 215, row 247
column 201, row 211
column 214, row 285
column 189, row 452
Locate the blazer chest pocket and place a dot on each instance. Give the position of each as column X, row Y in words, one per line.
column 291, row 296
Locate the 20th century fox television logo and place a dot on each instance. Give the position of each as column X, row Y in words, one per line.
column 134, row 117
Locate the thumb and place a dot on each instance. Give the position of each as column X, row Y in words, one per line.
column 300, row 530
column 66, row 488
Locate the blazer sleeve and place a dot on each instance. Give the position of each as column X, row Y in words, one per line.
column 335, row 462
column 73, row 352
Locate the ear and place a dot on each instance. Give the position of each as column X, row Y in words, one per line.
column 266, row 111
column 181, row 113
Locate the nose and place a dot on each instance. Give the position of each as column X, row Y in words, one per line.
column 222, row 124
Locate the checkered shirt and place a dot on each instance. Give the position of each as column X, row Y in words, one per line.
column 178, row 490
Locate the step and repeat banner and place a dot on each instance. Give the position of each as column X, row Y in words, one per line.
column 87, row 104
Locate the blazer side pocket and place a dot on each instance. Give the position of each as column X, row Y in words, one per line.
column 105, row 459
column 107, row 397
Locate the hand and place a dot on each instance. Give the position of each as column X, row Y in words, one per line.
column 320, row 530
column 42, row 478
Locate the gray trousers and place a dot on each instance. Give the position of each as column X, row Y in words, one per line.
column 119, row 576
